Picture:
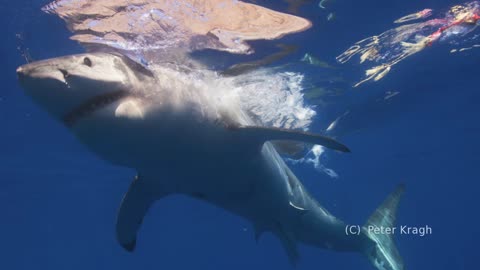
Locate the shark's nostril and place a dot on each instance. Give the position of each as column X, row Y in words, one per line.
column 64, row 72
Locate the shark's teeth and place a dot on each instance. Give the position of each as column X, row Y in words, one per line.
column 92, row 105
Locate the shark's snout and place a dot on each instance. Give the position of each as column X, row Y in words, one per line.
column 35, row 75
column 25, row 75
column 46, row 85
column 26, row 71
column 21, row 73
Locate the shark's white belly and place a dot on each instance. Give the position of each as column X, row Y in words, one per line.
column 193, row 156
column 181, row 153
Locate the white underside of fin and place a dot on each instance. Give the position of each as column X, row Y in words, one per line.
column 130, row 109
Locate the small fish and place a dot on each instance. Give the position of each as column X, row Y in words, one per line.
column 312, row 60
column 325, row 2
column 331, row 16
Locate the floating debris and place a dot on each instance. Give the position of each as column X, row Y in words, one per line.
column 394, row 45
column 390, row 94
column 465, row 49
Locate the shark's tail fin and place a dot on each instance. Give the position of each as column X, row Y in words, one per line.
column 384, row 254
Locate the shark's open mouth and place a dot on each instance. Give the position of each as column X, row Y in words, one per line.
column 93, row 104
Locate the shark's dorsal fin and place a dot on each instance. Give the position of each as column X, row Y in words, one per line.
column 263, row 134
column 135, row 205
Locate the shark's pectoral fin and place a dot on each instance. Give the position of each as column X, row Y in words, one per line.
column 135, row 205
column 263, row 134
column 289, row 243
column 290, row 247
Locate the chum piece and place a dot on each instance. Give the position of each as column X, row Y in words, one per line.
column 173, row 25
column 394, row 45
column 415, row 16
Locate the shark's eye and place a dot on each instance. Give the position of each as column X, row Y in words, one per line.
column 87, row 61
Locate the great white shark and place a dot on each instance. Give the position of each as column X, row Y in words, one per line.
column 182, row 141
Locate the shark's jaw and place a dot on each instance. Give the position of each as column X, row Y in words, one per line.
column 93, row 104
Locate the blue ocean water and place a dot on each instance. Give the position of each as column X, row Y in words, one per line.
column 59, row 201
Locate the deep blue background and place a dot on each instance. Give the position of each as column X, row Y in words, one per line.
column 58, row 202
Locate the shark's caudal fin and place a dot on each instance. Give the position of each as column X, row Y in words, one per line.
column 384, row 255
